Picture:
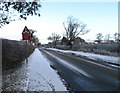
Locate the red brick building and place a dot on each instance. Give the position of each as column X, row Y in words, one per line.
column 26, row 35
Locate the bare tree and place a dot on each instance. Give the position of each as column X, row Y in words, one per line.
column 32, row 32
column 107, row 37
column 99, row 37
column 35, row 40
column 54, row 38
column 73, row 27
column 117, row 37
column 11, row 11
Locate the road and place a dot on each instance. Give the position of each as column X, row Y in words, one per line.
column 82, row 74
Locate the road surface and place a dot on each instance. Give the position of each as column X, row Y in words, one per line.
column 82, row 74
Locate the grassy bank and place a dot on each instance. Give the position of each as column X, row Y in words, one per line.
column 103, row 49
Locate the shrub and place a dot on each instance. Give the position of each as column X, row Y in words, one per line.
column 14, row 52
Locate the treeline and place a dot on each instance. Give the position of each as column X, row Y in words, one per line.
column 73, row 28
column 103, row 44
column 108, row 38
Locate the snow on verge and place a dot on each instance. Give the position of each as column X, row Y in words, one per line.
column 41, row 76
column 93, row 56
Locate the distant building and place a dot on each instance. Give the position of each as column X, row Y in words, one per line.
column 78, row 41
column 26, row 35
column 109, row 41
column 98, row 41
column 64, row 41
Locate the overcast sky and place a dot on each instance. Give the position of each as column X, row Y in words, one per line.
column 100, row 17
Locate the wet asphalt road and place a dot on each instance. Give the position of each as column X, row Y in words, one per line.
column 83, row 75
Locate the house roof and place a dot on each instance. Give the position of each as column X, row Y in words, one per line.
column 25, row 30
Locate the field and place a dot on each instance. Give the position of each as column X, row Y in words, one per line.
column 103, row 49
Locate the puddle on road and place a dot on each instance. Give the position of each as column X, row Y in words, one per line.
column 17, row 79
